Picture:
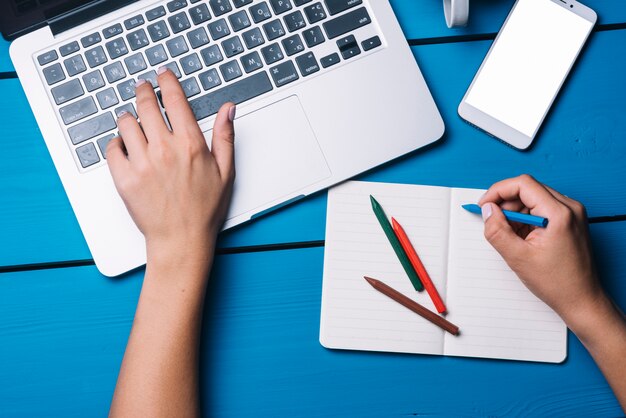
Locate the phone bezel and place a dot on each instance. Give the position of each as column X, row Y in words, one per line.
column 495, row 127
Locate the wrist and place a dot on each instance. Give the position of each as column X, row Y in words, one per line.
column 183, row 257
column 591, row 317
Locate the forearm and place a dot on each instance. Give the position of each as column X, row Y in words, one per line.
column 159, row 373
column 601, row 328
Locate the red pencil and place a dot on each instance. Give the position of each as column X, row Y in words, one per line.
column 418, row 266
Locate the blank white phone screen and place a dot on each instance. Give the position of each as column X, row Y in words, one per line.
column 528, row 63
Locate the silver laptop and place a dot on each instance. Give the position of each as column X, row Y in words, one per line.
column 325, row 90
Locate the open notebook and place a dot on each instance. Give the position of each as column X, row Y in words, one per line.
column 498, row 317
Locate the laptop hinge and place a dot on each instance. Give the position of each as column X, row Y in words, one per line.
column 84, row 13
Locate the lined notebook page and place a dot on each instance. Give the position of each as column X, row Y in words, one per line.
column 498, row 316
column 356, row 316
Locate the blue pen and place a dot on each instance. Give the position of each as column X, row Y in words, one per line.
column 513, row 216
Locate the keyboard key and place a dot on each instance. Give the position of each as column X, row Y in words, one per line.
column 211, row 55
column 87, row 155
column 111, row 31
column 294, row 21
column 67, row 91
column 174, row 68
column 197, row 37
column 95, row 56
column 78, row 110
column 272, row 53
column 210, row 79
column 313, row 36
column 338, row 6
column 301, row 2
column 315, row 13
column 199, row 14
column 68, row 49
column 135, row 63
column 53, row 74
column 137, row 39
column 238, row 92
column 174, row 5
column 126, row 89
column 150, row 77
column 90, row 40
column 190, row 87
column 280, row 6
column 307, row 64
column 348, row 47
column 74, row 65
column 371, row 43
column 253, row 38
column 107, row 98
column 177, row 46
column 232, row 46
column 219, row 29
column 133, row 22
column 273, row 30
column 230, row 70
column 260, row 12
column 330, row 60
column 91, row 128
column 128, row 108
column 251, row 62
column 241, row 3
column 190, row 64
column 104, row 141
column 239, row 20
column 116, row 48
column 155, row 13
column 179, row 22
column 293, row 44
column 156, row 55
column 158, row 30
column 347, row 22
column 93, row 80
column 114, row 72
column 220, row 7
column 284, row 73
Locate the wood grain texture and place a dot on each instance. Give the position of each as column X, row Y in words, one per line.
column 63, row 334
column 581, row 151
column 5, row 60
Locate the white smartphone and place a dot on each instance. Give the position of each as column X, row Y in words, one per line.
column 525, row 68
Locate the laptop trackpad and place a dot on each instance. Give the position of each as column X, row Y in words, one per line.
column 276, row 155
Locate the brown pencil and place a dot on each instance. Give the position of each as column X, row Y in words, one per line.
column 414, row 306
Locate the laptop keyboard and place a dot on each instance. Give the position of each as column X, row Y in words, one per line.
column 221, row 50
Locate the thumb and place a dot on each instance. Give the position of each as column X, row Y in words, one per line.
column 500, row 234
column 223, row 142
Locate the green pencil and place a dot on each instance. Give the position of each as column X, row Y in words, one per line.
column 397, row 247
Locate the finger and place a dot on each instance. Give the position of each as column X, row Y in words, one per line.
column 223, row 142
column 528, row 190
column 132, row 136
column 501, row 235
column 514, row 205
column 574, row 205
column 176, row 105
column 149, row 112
column 116, row 159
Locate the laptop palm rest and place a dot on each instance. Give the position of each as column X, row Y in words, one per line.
column 276, row 155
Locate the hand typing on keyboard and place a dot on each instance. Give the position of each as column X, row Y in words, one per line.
column 177, row 191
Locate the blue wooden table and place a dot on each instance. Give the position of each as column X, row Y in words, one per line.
column 63, row 326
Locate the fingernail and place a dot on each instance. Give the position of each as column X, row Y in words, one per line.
column 122, row 114
column 232, row 112
column 162, row 69
column 139, row 82
column 486, row 210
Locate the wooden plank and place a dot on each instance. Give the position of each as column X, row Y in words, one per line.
column 5, row 60
column 63, row 333
column 424, row 19
column 581, row 147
